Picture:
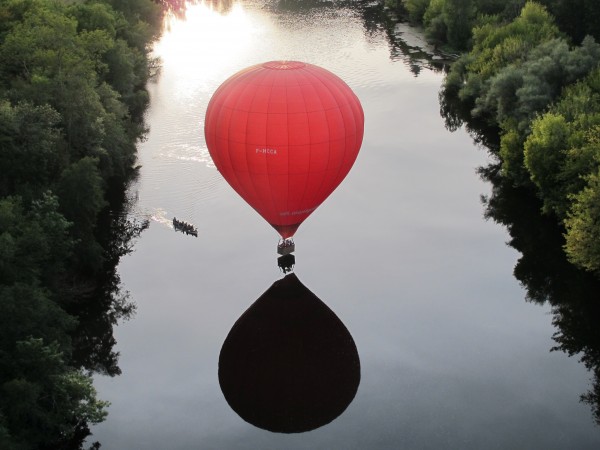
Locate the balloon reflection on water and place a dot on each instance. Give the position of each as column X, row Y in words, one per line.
column 289, row 364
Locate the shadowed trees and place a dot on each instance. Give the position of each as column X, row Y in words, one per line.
column 72, row 95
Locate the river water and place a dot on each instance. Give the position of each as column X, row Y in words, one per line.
column 450, row 354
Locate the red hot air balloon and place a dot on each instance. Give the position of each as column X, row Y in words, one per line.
column 284, row 134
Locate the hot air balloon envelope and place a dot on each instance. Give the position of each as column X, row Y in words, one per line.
column 284, row 134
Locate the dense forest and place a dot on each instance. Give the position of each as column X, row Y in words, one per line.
column 72, row 98
column 527, row 84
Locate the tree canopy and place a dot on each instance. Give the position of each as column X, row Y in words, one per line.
column 538, row 87
column 72, row 97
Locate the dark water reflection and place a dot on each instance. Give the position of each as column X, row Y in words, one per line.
column 289, row 365
column 101, row 306
column 451, row 356
column 542, row 268
column 544, row 271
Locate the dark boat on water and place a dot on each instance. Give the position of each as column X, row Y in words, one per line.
column 184, row 227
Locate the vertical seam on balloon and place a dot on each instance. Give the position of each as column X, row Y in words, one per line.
column 240, row 186
column 287, row 115
column 315, row 195
column 222, row 108
column 265, row 158
column 256, row 197
column 343, row 164
column 338, row 98
column 308, row 172
column 221, row 114
column 229, row 148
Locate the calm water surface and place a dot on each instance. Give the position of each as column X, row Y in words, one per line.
column 451, row 355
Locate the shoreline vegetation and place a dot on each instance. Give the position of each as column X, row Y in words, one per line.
column 527, row 85
column 73, row 94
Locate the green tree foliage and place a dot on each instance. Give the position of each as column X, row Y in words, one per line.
column 520, row 90
column 31, row 154
column 563, row 148
column 497, row 46
column 89, row 73
column 138, row 21
column 81, row 193
column 433, row 20
column 506, row 10
column 416, row 9
column 577, row 18
column 44, row 400
column 72, row 96
column 446, row 22
column 35, row 242
column 525, row 79
column 561, row 155
column 82, row 198
column 449, row 23
column 545, row 153
column 458, row 16
column 583, row 226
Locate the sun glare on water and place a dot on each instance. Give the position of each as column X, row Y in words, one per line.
column 223, row 37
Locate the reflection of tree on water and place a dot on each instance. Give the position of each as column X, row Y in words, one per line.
column 457, row 114
column 221, row 6
column 289, row 365
column 104, row 304
column 100, row 308
column 548, row 277
column 543, row 268
column 173, row 5
column 405, row 42
column 178, row 7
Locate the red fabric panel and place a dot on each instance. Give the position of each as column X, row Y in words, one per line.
column 284, row 134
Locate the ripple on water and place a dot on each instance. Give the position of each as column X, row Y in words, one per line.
column 159, row 216
column 184, row 151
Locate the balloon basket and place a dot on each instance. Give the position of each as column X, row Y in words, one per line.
column 286, row 250
column 286, row 247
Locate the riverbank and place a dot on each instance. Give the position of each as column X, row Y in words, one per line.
column 527, row 74
column 72, row 100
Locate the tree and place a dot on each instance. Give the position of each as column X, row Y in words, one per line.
column 497, row 46
column 545, row 154
column 72, row 96
column 563, row 147
column 577, row 18
column 35, row 242
column 416, row 9
column 583, row 226
column 32, row 153
column 81, row 195
column 458, row 16
column 433, row 20
column 43, row 400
